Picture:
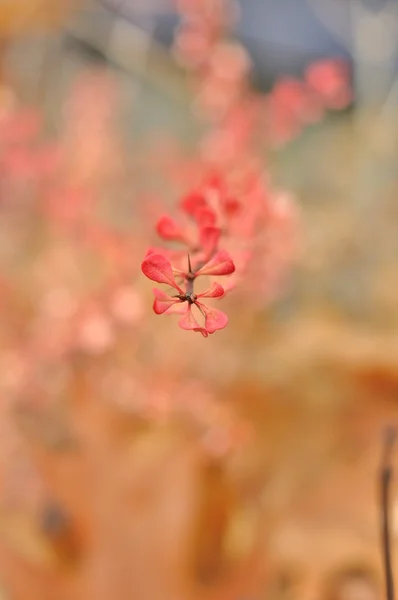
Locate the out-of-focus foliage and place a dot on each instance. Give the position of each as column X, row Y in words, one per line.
column 21, row 16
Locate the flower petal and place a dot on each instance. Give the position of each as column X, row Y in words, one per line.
column 157, row 268
column 209, row 238
column 231, row 207
column 214, row 319
column 215, row 182
column 177, row 309
column 193, row 202
column 163, row 302
column 205, row 216
column 189, row 322
column 168, row 229
column 220, row 264
column 216, row 291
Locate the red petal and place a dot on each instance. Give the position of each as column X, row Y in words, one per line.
column 209, row 238
column 231, row 206
column 163, row 302
column 216, row 182
column 202, row 331
column 157, row 268
column 177, row 309
column 216, row 291
column 214, row 319
column 330, row 79
column 205, row 216
column 168, row 229
column 188, row 322
column 220, row 264
column 192, row 202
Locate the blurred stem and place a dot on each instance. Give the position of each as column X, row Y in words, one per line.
column 385, row 485
column 3, row 47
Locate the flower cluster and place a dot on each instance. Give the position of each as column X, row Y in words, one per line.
column 219, row 68
column 202, row 257
column 241, row 213
column 295, row 103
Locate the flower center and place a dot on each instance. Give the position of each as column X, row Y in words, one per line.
column 190, row 298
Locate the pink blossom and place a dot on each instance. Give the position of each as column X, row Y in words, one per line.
column 157, row 268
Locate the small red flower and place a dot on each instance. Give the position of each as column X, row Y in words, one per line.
column 193, row 202
column 158, row 268
column 168, row 229
column 183, row 304
column 205, row 216
column 208, row 240
column 330, row 79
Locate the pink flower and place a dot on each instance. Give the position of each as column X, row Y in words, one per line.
column 196, row 206
column 329, row 78
column 297, row 100
column 183, row 303
column 214, row 319
column 209, row 203
column 193, row 202
column 158, row 268
column 168, row 229
column 208, row 240
column 205, row 216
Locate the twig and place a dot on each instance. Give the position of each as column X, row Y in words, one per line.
column 385, row 485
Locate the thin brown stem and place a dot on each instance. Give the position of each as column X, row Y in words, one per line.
column 385, row 485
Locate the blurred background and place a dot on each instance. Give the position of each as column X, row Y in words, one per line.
column 136, row 460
